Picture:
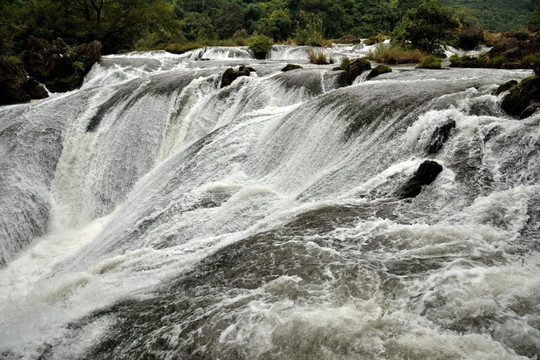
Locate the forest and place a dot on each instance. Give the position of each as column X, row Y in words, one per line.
column 124, row 25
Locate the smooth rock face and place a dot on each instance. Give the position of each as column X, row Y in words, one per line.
column 427, row 172
column 440, row 135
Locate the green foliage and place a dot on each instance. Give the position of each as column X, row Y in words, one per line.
column 277, row 25
column 197, row 27
column 483, row 61
column 260, row 44
column 427, row 26
column 535, row 19
column 496, row 15
column 395, row 53
column 310, row 31
column 344, row 64
column 374, row 40
column 430, row 62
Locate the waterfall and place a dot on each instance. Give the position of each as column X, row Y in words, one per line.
column 153, row 214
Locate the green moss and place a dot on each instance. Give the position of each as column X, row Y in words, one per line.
column 290, row 67
column 430, row 62
column 522, row 95
column 260, row 45
column 379, row 70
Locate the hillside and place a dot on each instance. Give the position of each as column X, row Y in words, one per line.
column 496, row 15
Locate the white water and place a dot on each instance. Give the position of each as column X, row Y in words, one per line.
column 260, row 220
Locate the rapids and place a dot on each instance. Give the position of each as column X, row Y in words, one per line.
column 152, row 215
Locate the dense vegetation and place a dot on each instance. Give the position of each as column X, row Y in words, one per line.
column 144, row 24
column 494, row 15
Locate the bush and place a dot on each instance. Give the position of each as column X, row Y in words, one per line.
column 319, row 57
column 374, row 40
column 395, row 54
column 260, row 45
column 430, row 62
column 344, row 64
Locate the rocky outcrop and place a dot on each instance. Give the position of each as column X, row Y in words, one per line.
column 427, row 173
column 290, row 67
column 440, row 136
column 230, row 75
column 521, row 96
column 514, row 46
column 354, row 68
column 349, row 39
column 378, row 70
column 15, row 86
column 58, row 65
column 506, row 86
column 470, row 37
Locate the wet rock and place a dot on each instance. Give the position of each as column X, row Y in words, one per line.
column 521, row 96
column 354, row 68
column 246, row 68
column 12, row 79
column 230, row 75
column 91, row 52
column 290, row 67
column 506, row 86
column 35, row 89
column 439, row 136
column 530, row 110
column 427, row 172
column 378, row 70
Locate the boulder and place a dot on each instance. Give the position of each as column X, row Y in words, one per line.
column 35, row 89
column 246, row 68
column 230, row 75
column 90, row 51
column 378, row 70
column 506, row 86
column 521, row 96
column 439, row 136
column 354, row 68
column 427, row 172
column 470, row 37
column 529, row 110
column 290, row 67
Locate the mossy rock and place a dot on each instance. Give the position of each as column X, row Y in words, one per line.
column 506, row 86
column 354, row 68
column 378, row 70
column 290, row 67
column 522, row 96
column 230, row 75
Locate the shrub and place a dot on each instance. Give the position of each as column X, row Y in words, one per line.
column 395, row 54
column 260, row 45
column 430, row 62
column 319, row 57
column 344, row 64
column 372, row 40
column 311, row 32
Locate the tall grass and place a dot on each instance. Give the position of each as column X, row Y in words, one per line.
column 395, row 54
column 319, row 57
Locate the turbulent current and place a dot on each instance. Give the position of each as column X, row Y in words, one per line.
column 152, row 214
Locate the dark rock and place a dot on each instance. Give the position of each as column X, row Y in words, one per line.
column 354, row 68
column 530, row 110
column 290, row 67
column 470, row 37
column 230, row 75
column 91, row 51
column 349, row 39
column 514, row 46
column 506, row 86
column 439, row 136
column 58, row 46
column 35, row 89
column 521, row 96
column 378, row 70
column 246, row 68
column 427, row 172
column 60, row 68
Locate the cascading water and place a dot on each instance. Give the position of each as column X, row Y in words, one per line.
column 154, row 215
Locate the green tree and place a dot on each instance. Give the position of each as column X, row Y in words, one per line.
column 277, row 25
column 535, row 20
column 197, row 26
column 427, row 26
